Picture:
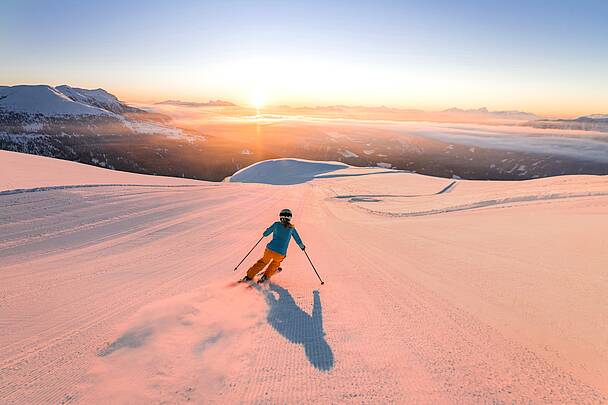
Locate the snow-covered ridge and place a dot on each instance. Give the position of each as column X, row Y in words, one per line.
column 97, row 98
column 60, row 101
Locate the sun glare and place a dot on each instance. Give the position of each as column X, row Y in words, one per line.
column 257, row 100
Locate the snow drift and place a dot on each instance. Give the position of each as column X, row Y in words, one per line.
column 284, row 171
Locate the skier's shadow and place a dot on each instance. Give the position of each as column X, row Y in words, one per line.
column 298, row 327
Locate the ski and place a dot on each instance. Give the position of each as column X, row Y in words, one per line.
column 261, row 280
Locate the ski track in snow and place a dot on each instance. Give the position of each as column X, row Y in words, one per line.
column 485, row 204
column 125, row 294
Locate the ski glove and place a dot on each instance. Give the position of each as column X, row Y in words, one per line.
column 303, row 247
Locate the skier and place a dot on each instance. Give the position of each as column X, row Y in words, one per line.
column 275, row 252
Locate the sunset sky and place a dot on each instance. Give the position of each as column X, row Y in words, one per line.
column 548, row 57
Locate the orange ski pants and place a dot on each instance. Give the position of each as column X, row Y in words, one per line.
column 271, row 257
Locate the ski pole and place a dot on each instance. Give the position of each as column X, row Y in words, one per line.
column 313, row 267
column 248, row 253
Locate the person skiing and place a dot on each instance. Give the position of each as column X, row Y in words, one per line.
column 276, row 249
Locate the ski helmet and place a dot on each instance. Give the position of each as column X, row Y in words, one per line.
column 285, row 215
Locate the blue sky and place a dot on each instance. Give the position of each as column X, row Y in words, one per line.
column 545, row 56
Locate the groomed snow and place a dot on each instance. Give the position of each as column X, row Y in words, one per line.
column 33, row 172
column 125, row 294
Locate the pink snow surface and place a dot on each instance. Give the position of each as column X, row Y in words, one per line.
column 125, row 294
column 19, row 171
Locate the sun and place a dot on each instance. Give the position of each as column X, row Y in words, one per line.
column 258, row 100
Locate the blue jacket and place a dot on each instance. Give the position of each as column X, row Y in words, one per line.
column 281, row 235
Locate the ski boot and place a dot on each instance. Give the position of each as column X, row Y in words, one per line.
column 262, row 279
column 245, row 279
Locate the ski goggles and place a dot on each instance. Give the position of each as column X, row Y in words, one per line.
column 285, row 217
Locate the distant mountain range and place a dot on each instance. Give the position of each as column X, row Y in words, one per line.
column 210, row 103
column 454, row 115
column 516, row 115
column 593, row 122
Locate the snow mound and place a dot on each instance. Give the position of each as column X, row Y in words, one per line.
column 284, row 171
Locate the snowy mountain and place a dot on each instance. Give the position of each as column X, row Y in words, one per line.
column 45, row 100
column 60, row 101
column 119, row 288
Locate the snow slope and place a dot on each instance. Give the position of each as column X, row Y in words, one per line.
column 126, row 294
column 42, row 99
column 64, row 173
